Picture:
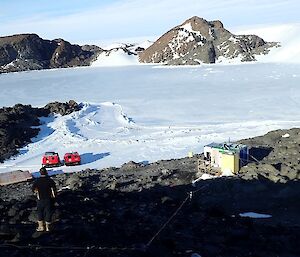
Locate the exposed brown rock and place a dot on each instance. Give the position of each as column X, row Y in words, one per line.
column 30, row 52
column 200, row 41
column 62, row 108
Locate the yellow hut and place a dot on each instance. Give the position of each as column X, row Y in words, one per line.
column 230, row 163
column 228, row 157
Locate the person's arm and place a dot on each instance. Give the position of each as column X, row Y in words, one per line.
column 34, row 187
column 53, row 189
column 35, row 190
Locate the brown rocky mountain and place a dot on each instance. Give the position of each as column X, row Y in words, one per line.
column 200, row 41
column 30, row 52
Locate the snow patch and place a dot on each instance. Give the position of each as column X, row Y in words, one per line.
column 233, row 39
column 255, row 215
column 188, row 28
column 227, row 173
column 144, row 44
column 206, row 176
column 226, row 60
column 9, row 65
column 211, row 32
column 115, row 57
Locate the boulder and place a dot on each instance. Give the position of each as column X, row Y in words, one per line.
column 130, row 165
column 74, row 182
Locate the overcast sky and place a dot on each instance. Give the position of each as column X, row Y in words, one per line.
column 86, row 21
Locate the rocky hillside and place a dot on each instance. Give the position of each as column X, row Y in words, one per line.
column 199, row 41
column 30, row 52
column 17, row 124
column 277, row 156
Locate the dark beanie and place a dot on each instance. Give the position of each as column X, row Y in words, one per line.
column 43, row 171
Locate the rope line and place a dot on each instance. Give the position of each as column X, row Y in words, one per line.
column 87, row 248
column 189, row 196
column 168, row 221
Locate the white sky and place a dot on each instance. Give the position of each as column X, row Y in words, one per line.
column 90, row 21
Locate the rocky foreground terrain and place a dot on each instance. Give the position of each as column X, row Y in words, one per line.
column 122, row 211
column 199, row 41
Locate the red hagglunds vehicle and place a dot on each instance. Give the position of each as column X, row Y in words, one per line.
column 51, row 159
column 72, row 159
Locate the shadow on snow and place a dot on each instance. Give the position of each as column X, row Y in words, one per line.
column 91, row 157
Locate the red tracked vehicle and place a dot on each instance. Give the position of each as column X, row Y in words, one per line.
column 51, row 159
column 72, row 159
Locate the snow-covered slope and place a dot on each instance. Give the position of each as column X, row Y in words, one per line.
column 147, row 113
column 120, row 54
column 115, row 57
column 132, row 47
column 288, row 35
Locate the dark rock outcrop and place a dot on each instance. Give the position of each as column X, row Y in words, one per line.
column 276, row 156
column 16, row 127
column 62, row 108
column 30, row 52
column 17, row 124
column 200, row 41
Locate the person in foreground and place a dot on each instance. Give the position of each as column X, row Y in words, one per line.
column 45, row 189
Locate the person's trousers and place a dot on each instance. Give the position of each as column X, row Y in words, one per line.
column 45, row 210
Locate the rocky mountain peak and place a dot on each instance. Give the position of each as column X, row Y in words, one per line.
column 30, row 52
column 195, row 21
column 199, row 24
column 198, row 41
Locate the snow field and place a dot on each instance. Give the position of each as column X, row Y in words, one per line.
column 148, row 113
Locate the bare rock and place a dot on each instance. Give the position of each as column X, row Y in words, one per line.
column 74, row 182
column 62, row 108
column 130, row 165
column 30, row 52
column 200, row 41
